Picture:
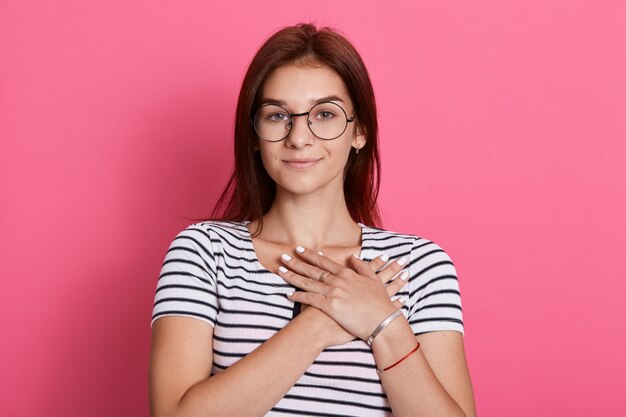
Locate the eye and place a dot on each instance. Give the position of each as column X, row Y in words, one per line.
column 277, row 117
column 325, row 115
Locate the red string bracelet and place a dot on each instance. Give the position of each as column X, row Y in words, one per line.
column 405, row 356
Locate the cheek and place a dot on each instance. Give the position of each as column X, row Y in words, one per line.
column 269, row 159
column 342, row 150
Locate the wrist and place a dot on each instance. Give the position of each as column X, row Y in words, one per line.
column 314, row 328
column 396, row 336
column 394, row 343
column 381, row 327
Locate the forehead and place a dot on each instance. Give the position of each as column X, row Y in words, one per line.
column 297, row 85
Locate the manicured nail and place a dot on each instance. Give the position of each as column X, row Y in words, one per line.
column 290, row 293
column 282, row 269
column 356, row 256
column 402, row 261
column 404, row 276
column 398, row 298
column 384, row 257
column 299, row 249
column 286, row 257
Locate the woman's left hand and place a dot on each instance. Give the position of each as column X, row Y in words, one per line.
column 353, row 296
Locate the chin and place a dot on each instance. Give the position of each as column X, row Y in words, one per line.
column 300, row 189
column 303, row 187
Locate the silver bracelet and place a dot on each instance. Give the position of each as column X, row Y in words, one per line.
column 381, row 326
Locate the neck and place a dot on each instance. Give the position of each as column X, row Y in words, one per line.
column 314, row 221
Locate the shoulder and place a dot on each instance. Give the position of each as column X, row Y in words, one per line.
column 215, row 230
column 434, row 298
column 382, row 240
column 211, row 238
column 219, row 239
column 418, row 246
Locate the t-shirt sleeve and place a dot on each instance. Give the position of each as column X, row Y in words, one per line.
column 187, row 284
column 434, row 296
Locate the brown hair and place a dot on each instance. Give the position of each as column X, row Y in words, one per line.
column 250, row 190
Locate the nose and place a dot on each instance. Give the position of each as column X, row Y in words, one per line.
column 300, row 135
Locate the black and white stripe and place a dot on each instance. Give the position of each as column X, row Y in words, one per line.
column 211, row 273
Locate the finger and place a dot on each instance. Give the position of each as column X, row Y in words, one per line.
column 378, row 262
column 399, row 302
column 302, row 268
column 316, row 300
column 391, row 270
column 361, row 267
column 304, row 283
column 396, row 285
column 321, row 262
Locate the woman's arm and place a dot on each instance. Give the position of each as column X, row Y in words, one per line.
column 181, row 361
column 433, row 381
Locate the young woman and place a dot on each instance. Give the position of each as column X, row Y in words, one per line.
column 268, row 310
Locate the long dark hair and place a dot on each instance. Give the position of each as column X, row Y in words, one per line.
column 250, row 191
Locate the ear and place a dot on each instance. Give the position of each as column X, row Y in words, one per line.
column 359, row 139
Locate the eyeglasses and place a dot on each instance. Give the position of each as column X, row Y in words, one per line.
column 326, row 120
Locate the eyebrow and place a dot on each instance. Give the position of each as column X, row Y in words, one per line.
column 313, row 101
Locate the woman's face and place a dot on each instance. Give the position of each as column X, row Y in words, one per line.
column 303, row 163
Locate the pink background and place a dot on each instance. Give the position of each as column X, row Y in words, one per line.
column 503, row 131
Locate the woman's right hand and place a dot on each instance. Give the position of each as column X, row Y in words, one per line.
column 330, row 330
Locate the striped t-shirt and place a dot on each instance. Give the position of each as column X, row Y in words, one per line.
column 211, row 272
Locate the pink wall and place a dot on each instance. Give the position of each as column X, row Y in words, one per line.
column 503, row 127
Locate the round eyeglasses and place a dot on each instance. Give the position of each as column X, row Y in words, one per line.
column 326, row 120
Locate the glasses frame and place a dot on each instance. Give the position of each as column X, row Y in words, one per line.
column 309, row 122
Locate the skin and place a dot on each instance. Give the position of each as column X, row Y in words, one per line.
column 310, row 211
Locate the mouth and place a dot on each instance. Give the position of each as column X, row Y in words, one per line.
column 302, row 163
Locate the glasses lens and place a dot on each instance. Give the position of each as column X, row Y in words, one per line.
column 271, row 122
column 328, row 120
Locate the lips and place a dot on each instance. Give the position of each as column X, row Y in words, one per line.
column 302, row 162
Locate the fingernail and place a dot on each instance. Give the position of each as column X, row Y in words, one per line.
column 356, row 256
column 282, row 269
column 398, row 298
column 404, row 276
column 299, row 249
column 321, row 253
column 290, row 293
column 286, row 257
column 402, row 261
column 384, row 257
